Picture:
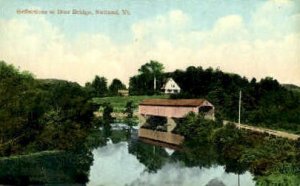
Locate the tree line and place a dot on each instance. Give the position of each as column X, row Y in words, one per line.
column 265, row 102
column 99, row 88
column 43, row 114
column 37, row 115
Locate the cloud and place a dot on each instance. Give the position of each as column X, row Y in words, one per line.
column 36, row 45
column 252, row 48
column 231, row 45
column 161, row 26
column 275, row 18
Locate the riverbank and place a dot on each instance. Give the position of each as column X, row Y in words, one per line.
column 269, row 160
column 45, row 167
column 119, row 102
column 275, row 133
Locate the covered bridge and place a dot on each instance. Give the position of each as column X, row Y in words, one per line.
column 175, row 108
column 170, row 109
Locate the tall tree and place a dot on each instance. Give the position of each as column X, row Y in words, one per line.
column 152, row 69
column 100, row 85
column 116, row 85
column 150, row 76
column 41, row 114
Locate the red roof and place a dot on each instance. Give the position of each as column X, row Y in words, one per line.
column 173, row 102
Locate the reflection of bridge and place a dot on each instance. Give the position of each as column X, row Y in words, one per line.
column 170, row 109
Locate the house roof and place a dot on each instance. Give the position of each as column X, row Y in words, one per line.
column 167, row 80
column 173, row 102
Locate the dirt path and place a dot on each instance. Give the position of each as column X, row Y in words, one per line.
column 266, row 130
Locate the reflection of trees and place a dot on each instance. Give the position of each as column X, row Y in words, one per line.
column 233, row 165
column 48, row 167
column 120, row 135
column 153, row 157
column 230, row 143
column 202, row 156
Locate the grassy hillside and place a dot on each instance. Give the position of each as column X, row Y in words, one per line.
column 292, row 87
column 119, row 102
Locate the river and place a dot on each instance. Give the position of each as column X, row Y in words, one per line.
column 126, row 160
column 134, row 162
column 114, row 165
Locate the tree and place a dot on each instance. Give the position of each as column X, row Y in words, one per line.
column 40, row 114
column 108, row 109
column 152, row 69
column 107, row 119
column 116, row 85
column 149, row 78
column 100, row 85
column 129, row 108
column 19, row 108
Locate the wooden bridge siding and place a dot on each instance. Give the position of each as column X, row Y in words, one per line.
column 166, row 137
column 166, row 111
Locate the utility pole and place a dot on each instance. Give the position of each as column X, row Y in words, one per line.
column 240, row 100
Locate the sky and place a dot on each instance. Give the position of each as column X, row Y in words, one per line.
column 253, row 38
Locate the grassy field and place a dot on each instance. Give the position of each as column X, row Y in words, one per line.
column 119, row 102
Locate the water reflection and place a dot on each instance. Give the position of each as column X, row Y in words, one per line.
column 124, row 160
column 136, row 163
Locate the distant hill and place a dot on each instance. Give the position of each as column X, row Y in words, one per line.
column 291, row 87
column 54, row 81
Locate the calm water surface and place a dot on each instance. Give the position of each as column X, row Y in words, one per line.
column 138, row 163
column 125, row 160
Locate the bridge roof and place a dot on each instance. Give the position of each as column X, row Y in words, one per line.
column 173, row 102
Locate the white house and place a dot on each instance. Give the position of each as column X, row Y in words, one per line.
column 170, row 87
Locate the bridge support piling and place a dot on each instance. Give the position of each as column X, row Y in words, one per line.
column 171, row 124
column 142, row 119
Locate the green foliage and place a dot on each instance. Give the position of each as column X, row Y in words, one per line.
column 47, row 167
column 156, row 123
column 196, row 129
column 119, row 103
column 98, row 87
column 116, row 85
column 20, row 108
column 107, row 120
column 129, row 108
column 228, row 136
column 119, row 135
column 40, row 115
column 153, row 157
column 202, row 155
column 262, row 155
column 143, row 83
column 153, row 67
column 95, row 139
column 264, row 103
column 108, row 109
column 278, row 179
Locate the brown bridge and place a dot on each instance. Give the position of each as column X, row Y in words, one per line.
column 171, row 109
